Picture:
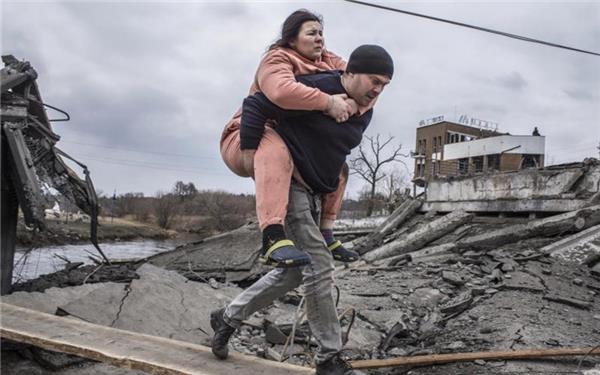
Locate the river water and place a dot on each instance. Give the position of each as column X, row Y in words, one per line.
column 31, row 263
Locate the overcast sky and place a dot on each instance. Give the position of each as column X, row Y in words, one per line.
column 150, row 85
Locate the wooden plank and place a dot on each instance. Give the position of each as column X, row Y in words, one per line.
column 437, row 359
column 127, row 349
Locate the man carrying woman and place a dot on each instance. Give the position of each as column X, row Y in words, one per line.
column 300, row 50
column 317, row 146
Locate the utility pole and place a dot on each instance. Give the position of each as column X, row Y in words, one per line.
column 112, row 211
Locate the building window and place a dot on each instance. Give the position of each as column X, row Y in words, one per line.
column 493, row 162
column 478, row 164
column 424, row 147
column 530, row 161
column 420, row 172
column 463, row 166
column 419, row 147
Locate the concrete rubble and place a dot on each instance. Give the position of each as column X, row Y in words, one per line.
column 460, row 282
column 557, row 188
column 231, row 256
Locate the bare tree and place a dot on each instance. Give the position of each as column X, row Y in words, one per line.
column 125, row 204
column 394, row 188
column 165, row 209
column 369, row 164
column 225, row 210
column 184, row 191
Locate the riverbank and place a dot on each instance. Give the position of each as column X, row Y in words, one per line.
column 61, row 232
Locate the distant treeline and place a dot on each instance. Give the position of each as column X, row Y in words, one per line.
column 186, row 208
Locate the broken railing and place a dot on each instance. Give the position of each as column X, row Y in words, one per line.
column 31, row 162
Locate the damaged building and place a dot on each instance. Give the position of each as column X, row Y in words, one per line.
column 471, row 146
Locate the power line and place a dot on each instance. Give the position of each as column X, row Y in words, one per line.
column 145, row 165
column 140, row 151
column 133, row 161
column 455, row 23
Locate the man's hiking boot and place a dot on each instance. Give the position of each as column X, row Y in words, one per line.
column 223, row 332
column 336, row 365
column 342, row 254
column 280, row 252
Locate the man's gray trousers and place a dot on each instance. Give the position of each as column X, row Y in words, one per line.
column 316, row 278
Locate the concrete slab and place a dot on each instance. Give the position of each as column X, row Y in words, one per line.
column 106, row 300
column 362, row 339
column 161, row 303
column 544, row 184
column 49, row 300
column 523, row 281
column 232, row 252
column 384, row 320
column 576, row 247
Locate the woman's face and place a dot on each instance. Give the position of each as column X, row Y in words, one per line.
column 309, row 42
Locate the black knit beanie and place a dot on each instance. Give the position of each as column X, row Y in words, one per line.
column 370, row 59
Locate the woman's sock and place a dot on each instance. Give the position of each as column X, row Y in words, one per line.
column 328, row 236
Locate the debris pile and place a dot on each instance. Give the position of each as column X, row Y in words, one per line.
column 427, row 284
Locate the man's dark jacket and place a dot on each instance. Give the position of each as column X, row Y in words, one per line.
column 318, row 144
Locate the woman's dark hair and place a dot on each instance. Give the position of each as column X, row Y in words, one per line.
column 291, row 27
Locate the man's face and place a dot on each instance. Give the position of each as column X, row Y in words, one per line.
column 364, row 88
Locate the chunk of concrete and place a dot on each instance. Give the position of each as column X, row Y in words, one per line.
column 107, row 299
column 362, row 339
column 420, row 237
column 54, row 360
column 458, row 303
column 523, row 281
column 384, row 320
column 586, row 305
column 161, row 303
column 233, row 251
column 426, row 297
column 453, row 278
column 49, row 300
column 274, row 335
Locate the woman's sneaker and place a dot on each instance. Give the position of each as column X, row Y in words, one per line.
column 280, row 252
column 284, row 254
column 342, row 254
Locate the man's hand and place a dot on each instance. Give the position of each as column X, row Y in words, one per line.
column 338, row 108
column 248, row 161
column 353, row 105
